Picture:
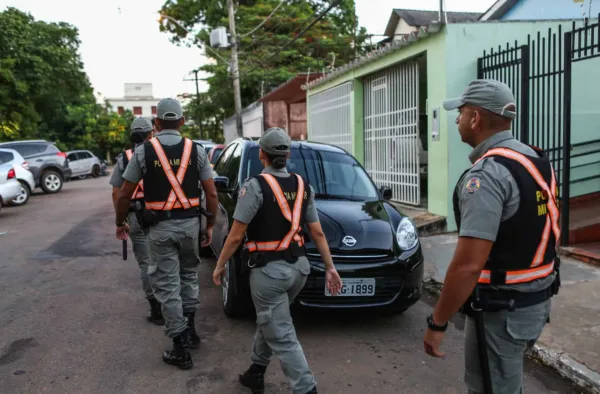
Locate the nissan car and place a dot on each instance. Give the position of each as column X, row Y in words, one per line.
column 374, row 247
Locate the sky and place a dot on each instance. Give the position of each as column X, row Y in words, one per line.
column 121, row 42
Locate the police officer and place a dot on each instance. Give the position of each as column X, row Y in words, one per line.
column 505, row 267
column 141, row 131
column 272, row 209
column 172, row 168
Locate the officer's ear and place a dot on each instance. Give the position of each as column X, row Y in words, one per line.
column 182, row 121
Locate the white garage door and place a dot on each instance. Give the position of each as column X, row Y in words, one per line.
column 329, row 117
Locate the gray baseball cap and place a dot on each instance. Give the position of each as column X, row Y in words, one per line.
column 169, row 109
column 275, row 141
column 489, row 94
column 141, row 125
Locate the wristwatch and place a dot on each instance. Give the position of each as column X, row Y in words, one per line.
column 120, row 224
column 433, row 326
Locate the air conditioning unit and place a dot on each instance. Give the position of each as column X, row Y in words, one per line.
column 218, row 38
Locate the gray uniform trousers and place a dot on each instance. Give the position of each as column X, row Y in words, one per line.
column 173, row 262
column 273, row 288
column 508, row 336
column 141, row 251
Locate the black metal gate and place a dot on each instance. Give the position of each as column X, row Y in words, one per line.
column 540, row 75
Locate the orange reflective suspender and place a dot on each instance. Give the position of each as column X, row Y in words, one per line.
column 139, row 189
column 177, row 198
column 293, row 217
column 536, row 270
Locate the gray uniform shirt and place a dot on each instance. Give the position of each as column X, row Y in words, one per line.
column 489, row 195
column 250, row 200
column 116, row 179
column 137, row 166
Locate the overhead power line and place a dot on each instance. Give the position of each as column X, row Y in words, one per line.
column 265, row 21
column 333, row 4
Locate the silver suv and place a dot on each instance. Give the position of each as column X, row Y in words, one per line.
column 48, row 164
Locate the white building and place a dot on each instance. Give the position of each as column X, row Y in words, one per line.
column 138, row 99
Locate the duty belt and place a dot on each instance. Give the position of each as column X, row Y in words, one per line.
column 161, row 216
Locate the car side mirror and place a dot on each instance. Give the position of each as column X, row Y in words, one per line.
column 386, row 192
column 222, row 184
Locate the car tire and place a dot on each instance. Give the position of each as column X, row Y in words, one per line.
column 234, row 305
column 51, row 182
column 24, row 197
column 95, row 171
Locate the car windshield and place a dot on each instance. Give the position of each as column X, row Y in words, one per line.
column 216, row 155
column 332, row 175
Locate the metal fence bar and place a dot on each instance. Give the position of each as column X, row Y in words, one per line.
column 391, row 98
column 566, row 175
column 330, row 117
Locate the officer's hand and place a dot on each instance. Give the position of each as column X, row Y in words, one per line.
column 433, row 341
column 333, row 281
column 207, row 237
column 217, row 273
column 123, row 232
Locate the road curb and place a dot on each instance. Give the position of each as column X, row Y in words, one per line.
column 566, row 366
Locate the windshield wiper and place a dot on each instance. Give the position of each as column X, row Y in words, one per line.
column 326, row 196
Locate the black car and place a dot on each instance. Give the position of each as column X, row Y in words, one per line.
column 49, row 166
column 375, row 248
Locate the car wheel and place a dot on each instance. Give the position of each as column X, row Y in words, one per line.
column 23, row 197
column 51, row 182
column 95, row 171
column 233, row 305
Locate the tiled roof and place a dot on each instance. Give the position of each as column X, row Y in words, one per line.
column 423, row 32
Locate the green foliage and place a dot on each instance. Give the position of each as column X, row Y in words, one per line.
column 44, row 91
column 262, row 66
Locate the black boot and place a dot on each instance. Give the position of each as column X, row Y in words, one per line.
column 179, row 356
column 155, row 315
column 193, row 338
column 254, row 378
column 313, row 391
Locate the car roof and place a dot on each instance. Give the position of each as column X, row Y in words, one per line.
column 319, row 146
column 26, row 141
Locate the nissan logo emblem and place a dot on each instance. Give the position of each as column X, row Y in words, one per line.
column 349, row 241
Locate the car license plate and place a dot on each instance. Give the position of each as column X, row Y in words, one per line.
column 355, row 287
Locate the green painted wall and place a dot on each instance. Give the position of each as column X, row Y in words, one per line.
column 464, row 44
column 433, row 47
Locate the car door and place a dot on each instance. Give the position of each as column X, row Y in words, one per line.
column 228, row 165
column 86, row 162
column 32, row 153
column 74, row 163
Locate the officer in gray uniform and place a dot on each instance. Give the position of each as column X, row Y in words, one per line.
column 141, row 130
column 505, row 269
column 271, row 210
column 172, row 168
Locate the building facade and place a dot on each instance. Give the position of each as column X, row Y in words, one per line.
column 138, row 98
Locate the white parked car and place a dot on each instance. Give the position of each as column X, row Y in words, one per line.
column 10, row 188
column 84, row 163
column 23, row 175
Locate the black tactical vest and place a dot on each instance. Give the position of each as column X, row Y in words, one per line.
column 519, row 237
column 269, row 224
column 139, row 190
column 156, row 184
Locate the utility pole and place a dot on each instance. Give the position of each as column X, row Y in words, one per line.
column 237, row 95
column 198, row 118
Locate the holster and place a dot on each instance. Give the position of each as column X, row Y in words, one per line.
column 557, row 283
column 138, row 209
column 259, row 259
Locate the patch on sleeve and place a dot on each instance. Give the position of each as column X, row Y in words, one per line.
column 242, row 192
column 473, row 185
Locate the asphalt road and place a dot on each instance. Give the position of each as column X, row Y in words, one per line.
column 72, row 320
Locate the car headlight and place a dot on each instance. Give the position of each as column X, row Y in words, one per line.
column 406, row 234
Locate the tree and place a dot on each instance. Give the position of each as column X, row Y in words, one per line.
column 263, row 63
column 44, row 91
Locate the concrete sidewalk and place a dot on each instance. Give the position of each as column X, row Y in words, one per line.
column 571, row 342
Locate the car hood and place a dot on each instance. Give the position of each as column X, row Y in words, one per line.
column 367, row 222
